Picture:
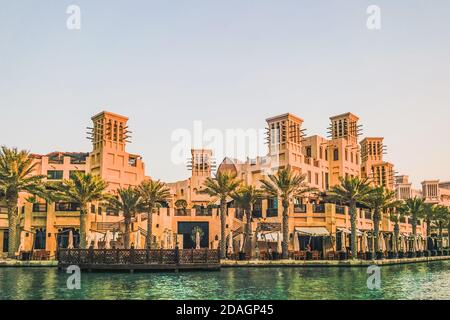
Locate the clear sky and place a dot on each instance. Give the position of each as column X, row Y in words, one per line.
column 230, row 64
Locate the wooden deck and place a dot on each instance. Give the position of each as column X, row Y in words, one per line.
column 139, row 260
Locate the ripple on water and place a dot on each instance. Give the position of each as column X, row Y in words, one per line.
column 413, row 281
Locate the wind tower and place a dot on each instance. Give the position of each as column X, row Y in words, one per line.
column 380, row 172
column 110, row 135
column 284, row 135
column 343, row 150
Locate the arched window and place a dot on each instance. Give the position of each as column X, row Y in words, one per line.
column 335, row 154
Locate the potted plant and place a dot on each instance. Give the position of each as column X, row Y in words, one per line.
column 427, row 253
column 342, row 255
column 419, row 253
column 433, row 253
column 401, row 254
column 369, row 255
column 379, row 255
column 392, row 255
column 411, row 254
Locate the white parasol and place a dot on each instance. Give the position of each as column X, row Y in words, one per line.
column 197, row 240
column 364, row 243
column 70, row 240
column 137, row 241
column 230, row 243
column 108, row 239
column 279, row 248
column 241, row 242
column 296, row 243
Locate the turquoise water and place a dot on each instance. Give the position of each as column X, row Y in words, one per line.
column 413, row 281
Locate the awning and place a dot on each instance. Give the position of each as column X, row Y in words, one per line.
column 268, row 237
column 312, row 231
column 347, row 231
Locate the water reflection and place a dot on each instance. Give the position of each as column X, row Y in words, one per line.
column 413, row 281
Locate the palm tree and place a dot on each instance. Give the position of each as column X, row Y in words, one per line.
column 17, row 175
column 286, row 184
column 152, row 192
column 221, row 187
column 245, row 198
column 415, row 208
column 181, row 204
column 442, row 220
column 81, row 189
column 352, row 191
column 380, row 200
column 429, row 213
column 394, row 215
column 129, row 202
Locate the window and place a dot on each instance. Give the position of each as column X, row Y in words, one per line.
column 309, row 177
column 320, row 152
column 335, row 154
column 308, row 152
column 346, row 155
column 326, row 154
column 317, row 179
column 132, row 161
column 55, row 174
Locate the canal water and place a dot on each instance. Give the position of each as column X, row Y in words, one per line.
column 412, row 281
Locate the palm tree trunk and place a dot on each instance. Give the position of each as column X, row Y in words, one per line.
column 83, row 242
column 248, row 231
column 126, row 238
column 376, row 228
column 396, row 236
column 414, row 225
column 285, row 243
column 12, row 226
column 354, row 238
column 223, row 221
column 441, row 227
column 148, row 239
column 448, row 235
column 428, row 233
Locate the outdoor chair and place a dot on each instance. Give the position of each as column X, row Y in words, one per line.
column 331, row 255
column 316, row 255
column 300, row 255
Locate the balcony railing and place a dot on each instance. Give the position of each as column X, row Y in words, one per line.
column 318, row 208
column 182, row 212
column 272, row 212
column 203, row 212
column 299, row 208
column 67, row 206
column 340, row 209
column 39, row 207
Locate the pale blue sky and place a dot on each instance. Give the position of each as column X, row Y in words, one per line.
column 230, row 64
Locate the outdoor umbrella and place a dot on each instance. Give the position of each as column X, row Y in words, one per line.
column 107, row 239
column 95, row 241
column 241, row 242
column 343, row 240
column 89, row 239
column 296, row 243
column 137, row 242
column 22, row 242
column 382, row 242
column 364, row 245
column 70, row 240
column 230, row 243
column 197, row 240
column 279, row 249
